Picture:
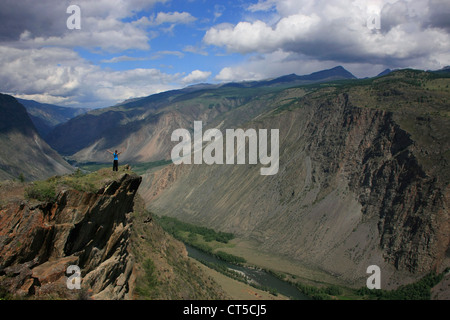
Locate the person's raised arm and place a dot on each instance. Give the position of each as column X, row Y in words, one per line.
column 110, row 152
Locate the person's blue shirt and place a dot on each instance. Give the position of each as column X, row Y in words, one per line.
column 116, row 156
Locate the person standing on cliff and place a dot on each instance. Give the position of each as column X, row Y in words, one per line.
column 116, row 159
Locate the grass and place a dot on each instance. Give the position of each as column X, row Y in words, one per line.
column 139, row 168
column 147, row 287
column 204, row 239
column 47, row 190
column 174, row 226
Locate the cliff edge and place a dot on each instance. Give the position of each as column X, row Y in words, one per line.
column 39, row 240
column 97, row 225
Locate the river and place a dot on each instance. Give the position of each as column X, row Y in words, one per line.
column 261, row 277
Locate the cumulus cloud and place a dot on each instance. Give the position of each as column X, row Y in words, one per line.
column 174, row 17
column 33, row 74
column 39, row 61
column 195, row 50
column 171, row 18
column 411, row 33
column 123, row 58
column 29, row 23
column 39, row 55
column 196, row 76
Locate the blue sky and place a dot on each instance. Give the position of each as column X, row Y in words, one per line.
column 177, row 46
column 134, row 48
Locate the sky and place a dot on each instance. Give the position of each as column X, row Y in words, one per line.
column 133, row 48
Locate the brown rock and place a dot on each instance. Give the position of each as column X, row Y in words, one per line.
column 38, row 241
column 51, row 271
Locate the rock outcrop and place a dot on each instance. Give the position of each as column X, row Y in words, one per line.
column 90, row 230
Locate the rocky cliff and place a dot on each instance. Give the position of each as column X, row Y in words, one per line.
column 39, row 240
column 363, row 180
column 97, row 223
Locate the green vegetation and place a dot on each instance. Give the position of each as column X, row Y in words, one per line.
column 93, row 166
column 139, row 168
column 42, row 190
column 229, row 257
column 324, row 292
column 5, row 295
column 199, row 237
column 420, row 290
column 47, row 190
column 238, row 276
column 175, row 226
column 226, row 271
column 147, row 286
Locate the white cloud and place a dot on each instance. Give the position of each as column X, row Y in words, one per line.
column 174, row 18
column 265, row 5
column 338, row 31
column 196, row 76
column 32, row 24
column 33, row 74
column 172, row 53
column 277, row 37
column 38, row 60
column 196, row 50
column 123, row 58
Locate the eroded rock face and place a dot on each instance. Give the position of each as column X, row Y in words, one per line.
column 90, row 230
column 350, row 193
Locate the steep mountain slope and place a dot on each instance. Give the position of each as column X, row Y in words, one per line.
column 47, row 116
column 23, row 150
column 90, row 223
column 363, row 180
column 142, row 127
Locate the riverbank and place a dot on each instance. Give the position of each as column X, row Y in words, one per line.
column 280, row 264
column 227, row 254
column 237, row 290
column 250, row 275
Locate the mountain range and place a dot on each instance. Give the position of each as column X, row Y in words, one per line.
column 141, row 126
column 25, row 154
column 46, row 116
column 363, row 177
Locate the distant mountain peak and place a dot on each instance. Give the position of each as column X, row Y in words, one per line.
column 336, row 73
column 384, row 72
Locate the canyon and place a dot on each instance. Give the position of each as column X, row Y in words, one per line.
column 362, row 180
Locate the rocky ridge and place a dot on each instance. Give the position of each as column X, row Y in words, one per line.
column 91, row 230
